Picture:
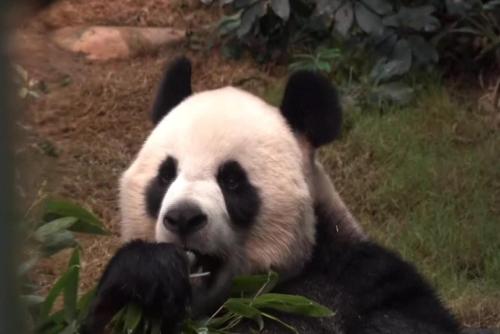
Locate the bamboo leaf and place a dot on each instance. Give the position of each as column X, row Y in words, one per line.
column 71, row 287
column 133, row 316
column 54, row 292
column 47, row 230
column 344, row 18
column 291, row 304
column 241, row 307
column 86, row 222
column 250, row 285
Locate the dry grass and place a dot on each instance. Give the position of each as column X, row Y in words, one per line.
column 96, row 114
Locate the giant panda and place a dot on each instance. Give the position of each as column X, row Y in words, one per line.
column 225, row 185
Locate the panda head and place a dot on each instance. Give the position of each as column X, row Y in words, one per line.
column 228, row 177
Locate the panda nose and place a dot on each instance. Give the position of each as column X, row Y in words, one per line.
column 184, row 218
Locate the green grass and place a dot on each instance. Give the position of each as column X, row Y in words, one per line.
column 424, row 180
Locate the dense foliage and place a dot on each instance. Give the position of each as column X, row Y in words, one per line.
column 399, row 35
column 45, row 238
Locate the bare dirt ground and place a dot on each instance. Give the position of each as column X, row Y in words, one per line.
column 95, row 115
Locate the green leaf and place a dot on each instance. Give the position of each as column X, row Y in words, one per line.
column 218, row 322
column 250, row 285
column 52, row 326
column 291, row 304
column 26, row 266
column 71, row 287
column 57, row 242
column 381, row 7
column 324, row 67
column 249, row 17
column 384, row 45
column 402, row 53
column 417, row 18
column 458, row 8
column 116, row 323
column 47, row 230
column 229, row 24
column 281, row 8
column 84, row 303
column 239, row 4
column 241, row 307
column 398, row 64
column 368, row 21
column 423, row 51
column 31, row 300
column 327, row 7
column 491, row 5
column 87, row 221
column 395, row 92
column 70, row 329
column 344, row 18
column 133, row 316
column 329, row 53
column 54, row 292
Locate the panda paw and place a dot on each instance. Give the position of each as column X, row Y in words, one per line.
column 154, row 276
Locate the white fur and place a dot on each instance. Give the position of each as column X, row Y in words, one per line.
column 202, row 132
column 208, row 196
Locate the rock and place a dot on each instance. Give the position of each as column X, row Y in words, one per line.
column 104, row 43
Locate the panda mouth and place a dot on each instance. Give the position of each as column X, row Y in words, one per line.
column 203, row 268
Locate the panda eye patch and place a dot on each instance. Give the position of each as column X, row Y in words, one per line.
column 158, row 186
column 231, row 176
column 167, row 171
column 240, row 195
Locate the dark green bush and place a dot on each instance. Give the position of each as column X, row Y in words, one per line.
column 399, row 35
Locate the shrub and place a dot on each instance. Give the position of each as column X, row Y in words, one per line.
column 61, row 219
column 400, row 35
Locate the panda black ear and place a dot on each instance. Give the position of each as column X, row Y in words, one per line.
column 174, row 87
column 311, row 107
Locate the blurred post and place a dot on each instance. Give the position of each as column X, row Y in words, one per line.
column 11, row 319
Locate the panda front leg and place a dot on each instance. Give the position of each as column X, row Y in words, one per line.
column 155, row 276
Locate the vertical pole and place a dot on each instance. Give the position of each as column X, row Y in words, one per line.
column 11, row 318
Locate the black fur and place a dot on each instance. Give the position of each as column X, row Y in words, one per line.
column 159, row 185
column 152, row 275
column 174, row 87
column 371, row 289
column 311, row 107
column 241, row 197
